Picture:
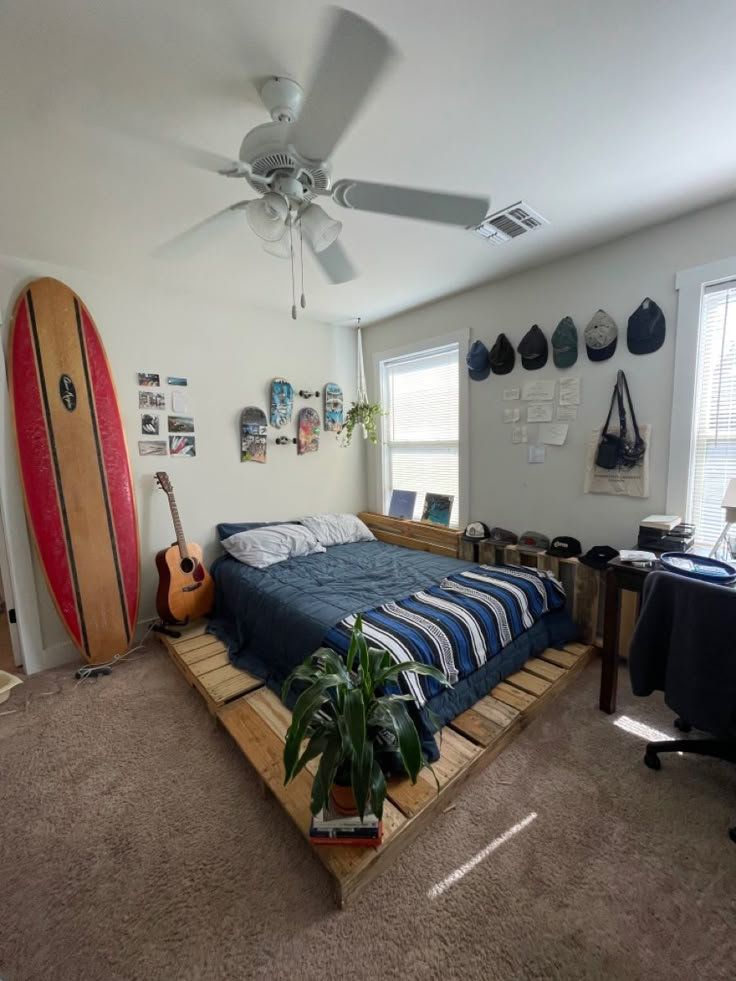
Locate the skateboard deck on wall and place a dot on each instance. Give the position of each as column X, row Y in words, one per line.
column 333, row 408
column 74, row 468
column 282, row 402
column 253, row 438
column 307, row 440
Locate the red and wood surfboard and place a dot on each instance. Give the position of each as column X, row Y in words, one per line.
column 75, row 468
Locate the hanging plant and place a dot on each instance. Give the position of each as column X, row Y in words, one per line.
column 362, row 413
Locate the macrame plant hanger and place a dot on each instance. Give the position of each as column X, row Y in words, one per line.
column 360, row 384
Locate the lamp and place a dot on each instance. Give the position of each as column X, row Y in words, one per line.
column 266, row 216
column 282, row 247
column 320, row 230
column 722, row 547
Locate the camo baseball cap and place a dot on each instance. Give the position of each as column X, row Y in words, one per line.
column 500, row 536
column 533, row 541
column 601, row 335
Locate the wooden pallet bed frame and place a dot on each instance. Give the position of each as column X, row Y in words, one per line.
column 257, row 721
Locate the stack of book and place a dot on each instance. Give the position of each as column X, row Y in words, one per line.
column 665, row 533
column 329, row 827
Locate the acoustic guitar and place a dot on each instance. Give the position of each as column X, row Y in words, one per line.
column 185, row 587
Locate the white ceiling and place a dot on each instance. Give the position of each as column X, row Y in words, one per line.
column 603, row 116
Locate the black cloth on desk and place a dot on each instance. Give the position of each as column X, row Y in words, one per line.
column 684, row 644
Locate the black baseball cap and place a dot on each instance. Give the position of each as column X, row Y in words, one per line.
column 646, row 329
column 502, row 356
column 599, row 556
column 533, row 348
column 500, row 536
column 479, row 367
column 563, row 547
column 476, row 532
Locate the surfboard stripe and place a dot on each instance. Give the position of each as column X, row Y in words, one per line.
column 57, row 471
column 101, row 468
column 117, row 464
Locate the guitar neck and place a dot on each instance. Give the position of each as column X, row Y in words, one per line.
column 180, row 539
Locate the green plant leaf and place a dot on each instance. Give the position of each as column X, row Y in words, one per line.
column 354, row 637
column 316, row 745
column 410, row 746
column 308, row 703
column 416, row 667
column 325, row 775
column 378, row 790
column 360, row 777
column 354, row 710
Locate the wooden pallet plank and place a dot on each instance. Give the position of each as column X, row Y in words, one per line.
column 577, row 649
column 476, row 726
column 563, row 659
column 210, row 663
column 410, row 797
column 551, row 672
column 182, row 646
column 393, row 539
column 513, row 696
column 528, row 682
column 276, row 715
column 455, row 753
column 423, row 531
column 499, row 712
column 194, row 629
column 191, row 658
column 586, row 590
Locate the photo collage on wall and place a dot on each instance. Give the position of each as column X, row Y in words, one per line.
column 166, row 418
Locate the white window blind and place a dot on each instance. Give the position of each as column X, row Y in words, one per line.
column 714, row 450
column 421, row 449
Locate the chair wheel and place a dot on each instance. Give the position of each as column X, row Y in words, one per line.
column 652, row 761
column 682, row 725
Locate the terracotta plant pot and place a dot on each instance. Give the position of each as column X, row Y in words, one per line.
column 343, row 799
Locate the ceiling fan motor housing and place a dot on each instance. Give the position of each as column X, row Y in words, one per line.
column 269, row 155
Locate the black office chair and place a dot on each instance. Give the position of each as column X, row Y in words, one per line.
column 684, row 644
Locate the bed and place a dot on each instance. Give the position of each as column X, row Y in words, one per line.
column 478, row 623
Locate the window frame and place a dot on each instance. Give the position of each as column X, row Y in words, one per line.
column 690, row 285
column 419, row 347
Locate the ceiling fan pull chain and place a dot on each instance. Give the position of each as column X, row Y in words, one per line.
column 293, row 286
column 301, row 262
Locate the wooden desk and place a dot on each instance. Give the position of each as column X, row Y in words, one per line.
column 619, row 576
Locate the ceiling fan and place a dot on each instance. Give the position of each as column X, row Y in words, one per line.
column 287, row 160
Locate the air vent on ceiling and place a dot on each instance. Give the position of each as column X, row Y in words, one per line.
column 516, row 220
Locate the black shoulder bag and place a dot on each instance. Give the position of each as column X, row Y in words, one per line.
column 617, row 449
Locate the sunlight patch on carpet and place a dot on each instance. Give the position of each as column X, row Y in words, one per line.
column 466, row 867
column 640, row 729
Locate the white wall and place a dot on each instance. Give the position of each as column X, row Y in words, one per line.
column 229, row 354
column 505, row 490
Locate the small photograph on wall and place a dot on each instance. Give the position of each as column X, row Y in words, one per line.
column 182, row 446
column 152, row 447
column 151, row 400
column 437, row 508
column 149, row 424
column 176, row 380
column 148, row 380
column 181, row 424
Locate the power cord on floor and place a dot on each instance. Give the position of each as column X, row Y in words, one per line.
column 87, row 673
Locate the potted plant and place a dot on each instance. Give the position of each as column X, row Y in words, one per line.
column 365, row 414
column 341, row 714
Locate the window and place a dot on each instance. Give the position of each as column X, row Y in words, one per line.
column 424, row 393
column 713, row 458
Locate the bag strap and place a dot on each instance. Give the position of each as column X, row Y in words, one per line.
column 625, row 385
column 610, row 410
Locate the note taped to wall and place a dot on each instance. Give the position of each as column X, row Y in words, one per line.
column 510, row 394
column 553, row 433
column 538, row 391
column 567, row 413
column 539, row 412
column 569, row 391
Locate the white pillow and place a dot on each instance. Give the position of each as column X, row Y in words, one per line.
column 262, row 547
column 338, row 529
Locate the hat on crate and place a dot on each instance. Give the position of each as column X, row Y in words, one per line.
column 563, row 547
column 500, row 536
column 646, row 328
column 565, row 343
column 479, row 367
column 502, row 356
column 533, row 348
column 533, row 541
column 601, row 335
column 599, row 556
column 476, row 532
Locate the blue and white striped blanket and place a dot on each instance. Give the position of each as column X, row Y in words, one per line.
column 458, row 625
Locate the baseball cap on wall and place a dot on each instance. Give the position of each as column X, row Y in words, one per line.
column 599, row 556
column 563, row 547
column 476, row 532
column 565, row 343
column 479, row 367
column 533, row 349
column 646, row 328
column 601, row 336
column 533, row 541
column 502, row 356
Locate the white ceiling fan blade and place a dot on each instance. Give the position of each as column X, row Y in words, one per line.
column 408, row 202
column 196, row 237
column 354, row 56
column 335, row 263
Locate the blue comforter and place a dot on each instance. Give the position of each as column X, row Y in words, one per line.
column 272, row 619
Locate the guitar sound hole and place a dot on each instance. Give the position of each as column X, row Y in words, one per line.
column 187, row 565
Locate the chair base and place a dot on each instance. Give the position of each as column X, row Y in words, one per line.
column 722, row 749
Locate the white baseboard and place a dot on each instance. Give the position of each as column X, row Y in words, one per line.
column 58, row 655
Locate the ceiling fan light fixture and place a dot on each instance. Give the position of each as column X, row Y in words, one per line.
column 266, row 216
column 319, row 229
column 281, row 248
